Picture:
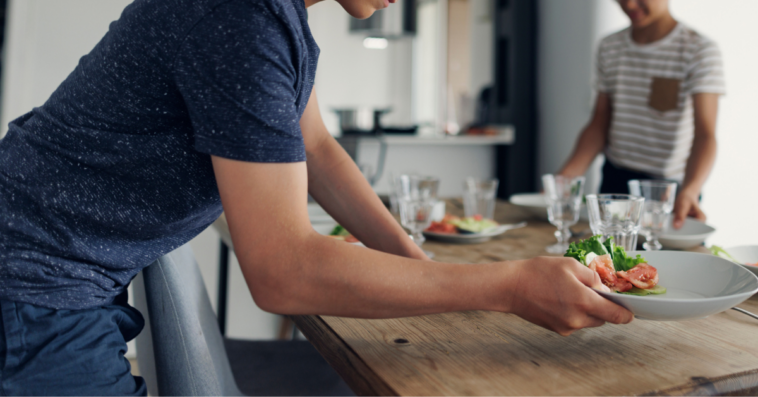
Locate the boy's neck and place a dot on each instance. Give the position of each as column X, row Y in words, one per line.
column 654, row 31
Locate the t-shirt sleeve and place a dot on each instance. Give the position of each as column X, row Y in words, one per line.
column 706, row 73
column 237, row 73
column 601, row 79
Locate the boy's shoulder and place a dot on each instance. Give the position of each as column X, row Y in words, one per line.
column 695, row 38
column 615, row 39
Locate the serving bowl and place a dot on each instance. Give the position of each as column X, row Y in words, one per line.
column 698, row 285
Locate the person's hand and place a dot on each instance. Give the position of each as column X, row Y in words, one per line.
column 687, row 204
column 556, row 293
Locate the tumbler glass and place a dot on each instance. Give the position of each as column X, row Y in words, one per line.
column 617, row 216
column 659, row 202
column 479, row 197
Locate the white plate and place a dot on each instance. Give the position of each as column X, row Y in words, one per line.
column 472, row 238
column 745, row 254
column 536, row 205
column 692, row 234
column 317, row 214
column 698, row 285
column 326, row 228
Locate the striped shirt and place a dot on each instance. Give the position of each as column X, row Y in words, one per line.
column 651, row 88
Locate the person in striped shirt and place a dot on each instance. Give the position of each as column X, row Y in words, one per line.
column 658, row 84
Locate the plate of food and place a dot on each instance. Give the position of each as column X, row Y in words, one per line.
column 337, row 232
column 467, row 230
column 535, row 205
column 665, row 285
column 692, row 234
column 745, row 255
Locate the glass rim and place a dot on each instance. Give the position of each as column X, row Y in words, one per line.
column 569, row 178
column 614, row 197
column 653, row 182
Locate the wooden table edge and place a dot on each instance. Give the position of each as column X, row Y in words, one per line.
column 348, row 364
column 738, row 384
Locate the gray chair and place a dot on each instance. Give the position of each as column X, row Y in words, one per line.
column 182, row 352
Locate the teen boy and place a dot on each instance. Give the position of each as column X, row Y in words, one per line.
column 183, row 106
column 658, row 85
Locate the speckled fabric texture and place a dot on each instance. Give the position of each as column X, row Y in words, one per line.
column 114, row 169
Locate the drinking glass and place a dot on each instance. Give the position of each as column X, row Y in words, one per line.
column 564, row 199
column 413, row 186
column 659, row 202
column 416, row 215
column 479, row 197
column 617, row 216
column 416, row 197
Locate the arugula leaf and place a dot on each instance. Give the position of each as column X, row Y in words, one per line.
column 593, row 244
column 581, row 248
column 718, row 251
column 623, row 262
column 610, row 246
column 339, row 231
column 577, row 253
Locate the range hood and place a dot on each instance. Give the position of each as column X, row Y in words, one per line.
column 396, row 21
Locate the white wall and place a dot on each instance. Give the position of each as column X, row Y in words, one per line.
column 350, row 75
column 569, row 32
column 730, row 194
column 44, row 41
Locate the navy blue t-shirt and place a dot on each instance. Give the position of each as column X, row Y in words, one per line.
column 114, row 170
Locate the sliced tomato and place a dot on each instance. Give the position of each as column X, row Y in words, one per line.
column 641, row 276
column 442, row 227
column 603, row 265
column 351, row 239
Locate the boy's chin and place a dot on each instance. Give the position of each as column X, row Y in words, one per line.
column 359, row 11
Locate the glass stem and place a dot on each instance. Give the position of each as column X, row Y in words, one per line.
column 418, row 238
column 563, row 235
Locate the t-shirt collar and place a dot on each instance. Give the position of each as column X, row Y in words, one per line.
column 651, row 46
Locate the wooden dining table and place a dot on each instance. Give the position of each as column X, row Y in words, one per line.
column 492, row 353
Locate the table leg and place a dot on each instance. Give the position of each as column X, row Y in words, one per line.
column 223, row 285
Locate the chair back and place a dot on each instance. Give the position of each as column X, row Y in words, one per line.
column 181, row 351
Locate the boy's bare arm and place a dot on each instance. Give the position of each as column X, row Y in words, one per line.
column 592, row 139
column 701, row 160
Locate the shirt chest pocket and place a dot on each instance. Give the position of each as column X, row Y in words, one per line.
column 664, row 94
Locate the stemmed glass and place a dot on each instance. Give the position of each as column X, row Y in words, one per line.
column 416, row 196
column 659, row 202
column 564, row 199
column 617, row 216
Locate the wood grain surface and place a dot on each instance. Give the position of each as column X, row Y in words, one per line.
column 489, row 353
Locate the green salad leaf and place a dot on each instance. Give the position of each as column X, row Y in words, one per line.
column 623, row 262
column 339, row 231
column 718, row 251
column 581, row 248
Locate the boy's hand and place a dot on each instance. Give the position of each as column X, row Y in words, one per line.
column 687, row 204
column 556, row 293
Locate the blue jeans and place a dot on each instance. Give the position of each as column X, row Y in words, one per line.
column 67, row 352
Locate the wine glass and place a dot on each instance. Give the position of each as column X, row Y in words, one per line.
column 416, row 215
column 659, row 202
column 564, row 199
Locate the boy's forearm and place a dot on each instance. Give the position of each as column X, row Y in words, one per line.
column 339, row 187
column 329, row 277
column 700, row 163
column 590, row 143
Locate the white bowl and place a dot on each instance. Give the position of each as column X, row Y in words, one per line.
column 536, row 205
column 745, row 254
column 698, row 285
column 692, row 234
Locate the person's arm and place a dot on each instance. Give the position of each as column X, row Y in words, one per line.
column 700, row 162
column 592, row 139
column 339, row 187
column 291, row 269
